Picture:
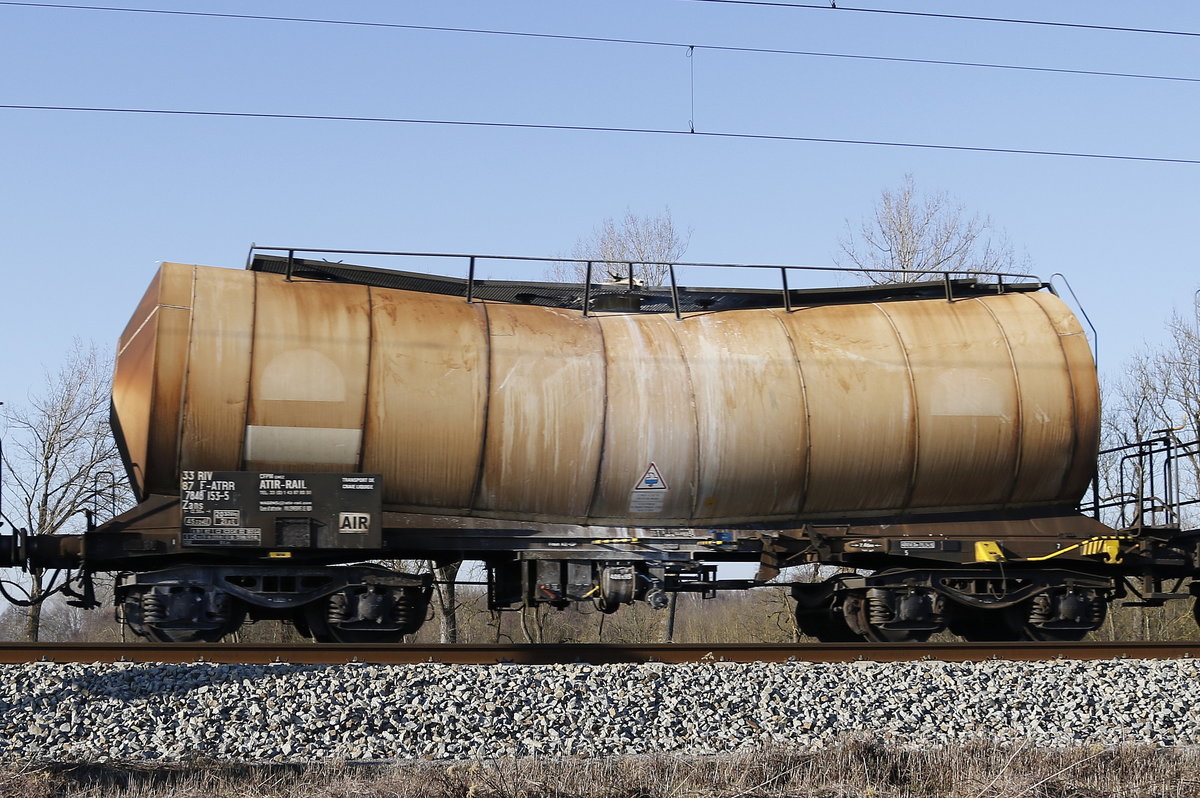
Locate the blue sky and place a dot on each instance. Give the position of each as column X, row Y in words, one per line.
column 89, row 202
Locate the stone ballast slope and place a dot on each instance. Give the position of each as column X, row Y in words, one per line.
column 249, row 713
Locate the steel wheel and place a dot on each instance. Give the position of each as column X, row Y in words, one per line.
column 817, row 617
column 977, row 625
column 877, row 635
column 857, row 610
column 827, row 626
column 197, row 635
column 324, row 630
column 1059, row 635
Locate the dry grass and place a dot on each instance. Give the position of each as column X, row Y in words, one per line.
column 856, row 768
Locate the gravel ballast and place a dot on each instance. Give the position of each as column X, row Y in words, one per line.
column 251, row 713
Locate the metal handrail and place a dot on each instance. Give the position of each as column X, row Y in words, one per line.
column 539, row 259
column 1148, row 481
column 589, row 265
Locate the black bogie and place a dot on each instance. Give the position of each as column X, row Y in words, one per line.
column 911, row 605
column 364, row 603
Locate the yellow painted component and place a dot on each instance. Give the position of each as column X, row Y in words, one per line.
column 988, row 551
column 617, row 540
column 1107, row 547
column 1053, row 554
column 279, row 555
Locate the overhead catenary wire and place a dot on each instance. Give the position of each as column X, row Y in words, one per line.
column 603, row 129
column 609, row 40
column 832, row 6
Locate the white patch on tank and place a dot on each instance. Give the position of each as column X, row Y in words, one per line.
column 302, row 375
column 965, row 392
column 317, row 445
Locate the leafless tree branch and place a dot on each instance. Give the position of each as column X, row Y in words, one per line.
column 55, row 446
column 648, row 242
column 919, row 236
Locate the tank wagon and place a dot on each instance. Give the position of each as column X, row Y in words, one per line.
column 295, row 431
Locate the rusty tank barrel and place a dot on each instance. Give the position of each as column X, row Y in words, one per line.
column 539, row 413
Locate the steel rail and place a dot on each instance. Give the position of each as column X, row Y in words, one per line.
column 590, row 653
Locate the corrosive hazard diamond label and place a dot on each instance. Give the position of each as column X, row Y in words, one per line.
column 651, row 480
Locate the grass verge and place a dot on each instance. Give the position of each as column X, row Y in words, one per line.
column 853, row 768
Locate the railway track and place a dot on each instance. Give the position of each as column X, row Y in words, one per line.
column 593, row 653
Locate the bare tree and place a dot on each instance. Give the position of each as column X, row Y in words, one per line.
column 1158, row 395
column 1163, row 385
column 919, row 236
column 647, row 242
column 12, row 623
column 59, row 460
column 445, row 592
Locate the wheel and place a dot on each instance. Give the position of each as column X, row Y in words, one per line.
column 817, row 617
column 186, row 635
column 366, row 615
column 322, row 630
column 1055, row 635
column 143, row 610
column 988, row 625
column 300, row 622
column 876, row 635
column 827, row 626
column 197, row 635
column 1065, row 615
column 911, row 615
column 856, row 610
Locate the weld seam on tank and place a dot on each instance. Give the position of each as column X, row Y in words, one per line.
column 915, row 410
column 1019, row 426
column 366, row 426
column 485, row 324
column 246, row 411
column 590, row 509
column 368, row 318
column 154, row 447
column 1066, row 360
column 802, row 498
column 694, row 504
column 1075, row 409
column 184, row 393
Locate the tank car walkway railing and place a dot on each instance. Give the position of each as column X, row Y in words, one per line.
column 1150, row 483
column 586, row 653
column 623, row 274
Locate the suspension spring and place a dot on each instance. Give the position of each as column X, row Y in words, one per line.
column 1041, row 610
column 337, row 608
column 153, row 608
column 406, row 613
column 879, row 607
